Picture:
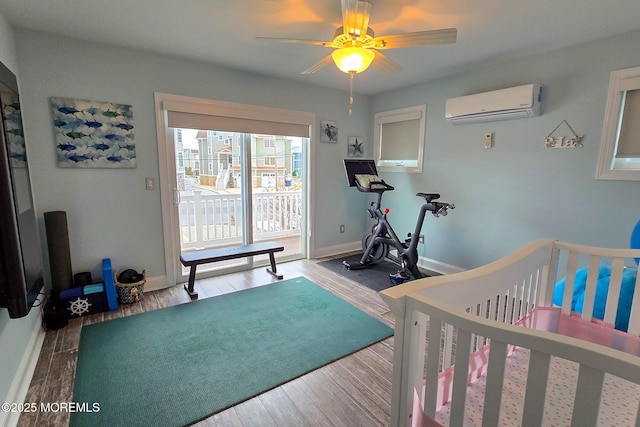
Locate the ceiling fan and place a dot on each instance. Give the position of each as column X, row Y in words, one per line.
column 357, row 47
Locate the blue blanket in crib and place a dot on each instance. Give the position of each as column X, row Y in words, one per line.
column 602, row 288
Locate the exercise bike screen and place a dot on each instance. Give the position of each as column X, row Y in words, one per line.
column 359, row 167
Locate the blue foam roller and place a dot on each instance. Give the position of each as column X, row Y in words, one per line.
column 109, row 284
column 70, row 293
column 95, row 288
column 635, row 239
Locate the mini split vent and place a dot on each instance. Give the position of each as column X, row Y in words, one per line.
column 511, row 103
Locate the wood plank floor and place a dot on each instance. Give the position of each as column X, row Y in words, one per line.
column 353, row 391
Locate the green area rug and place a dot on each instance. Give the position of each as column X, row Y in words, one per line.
column 177, row 365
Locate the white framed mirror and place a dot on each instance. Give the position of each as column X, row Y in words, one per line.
column 619, row 157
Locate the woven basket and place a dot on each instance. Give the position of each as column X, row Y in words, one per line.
column 130, row 292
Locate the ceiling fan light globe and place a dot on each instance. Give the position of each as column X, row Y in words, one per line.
column 352, row 59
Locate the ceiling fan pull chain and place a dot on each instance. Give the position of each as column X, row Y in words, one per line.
column 351, row 74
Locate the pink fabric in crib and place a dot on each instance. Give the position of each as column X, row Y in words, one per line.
column 478, row 362
column 418, row 417
column 595, row 331
column 544, row 319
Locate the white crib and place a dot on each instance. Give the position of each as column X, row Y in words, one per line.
column 459, row 331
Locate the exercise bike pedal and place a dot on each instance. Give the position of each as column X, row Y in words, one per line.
column 355, row 266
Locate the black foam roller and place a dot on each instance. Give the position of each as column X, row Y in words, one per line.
column 59, row 254
column 82, row 279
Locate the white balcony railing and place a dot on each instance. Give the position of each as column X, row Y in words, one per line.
column 211, row 220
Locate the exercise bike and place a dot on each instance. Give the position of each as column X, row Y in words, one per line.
column 377, row 242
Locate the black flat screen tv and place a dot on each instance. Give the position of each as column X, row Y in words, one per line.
column 20, row 248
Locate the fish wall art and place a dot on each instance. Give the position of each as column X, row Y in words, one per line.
column 93, row 134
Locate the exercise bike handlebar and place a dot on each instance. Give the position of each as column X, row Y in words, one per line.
column 374, row 187
column 441, row 209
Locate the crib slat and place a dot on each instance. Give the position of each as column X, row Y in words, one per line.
column 537, row 376
column 533, row 284
column 479, row 340
column 448, row 346
column 502, row 298
column 495, row 379
column 416, row 347
column 634, row 318
column 638, row 416
column 572, row 265
column 590, row 290
column 430, row 399
column 613, row 296
column 513, row 294
column 587, row 400
column 526, row 296
column 518, row 301
column 461, row 369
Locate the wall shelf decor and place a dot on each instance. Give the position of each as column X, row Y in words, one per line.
column 93, row 134
column 574, row 141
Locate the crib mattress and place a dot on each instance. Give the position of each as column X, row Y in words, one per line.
column 620, row 397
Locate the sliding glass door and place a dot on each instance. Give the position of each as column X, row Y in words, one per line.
column 233, row 182
column 239, row 188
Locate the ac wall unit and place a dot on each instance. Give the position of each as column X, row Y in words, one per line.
column 503, row 104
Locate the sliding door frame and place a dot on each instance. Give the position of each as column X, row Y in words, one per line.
column 167, row 164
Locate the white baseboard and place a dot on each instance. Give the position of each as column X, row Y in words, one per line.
column 22, row 378
column 156, row 283
column 336, row 249
column 438, row 267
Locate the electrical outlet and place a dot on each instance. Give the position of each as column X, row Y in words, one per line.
column 342, row 228
column 421, row 239
column 488, row 140
column 150, row 183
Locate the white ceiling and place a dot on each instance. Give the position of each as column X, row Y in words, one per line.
column 223, row 32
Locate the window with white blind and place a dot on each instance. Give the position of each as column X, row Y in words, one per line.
column 399, row 139
column 620, row 147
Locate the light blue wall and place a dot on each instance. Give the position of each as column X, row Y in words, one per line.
column 506, row 196
column 14, row 333
column 110, row 213
column 518, row 191
column 7, row 45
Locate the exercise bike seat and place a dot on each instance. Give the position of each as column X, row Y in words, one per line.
column 428, row 197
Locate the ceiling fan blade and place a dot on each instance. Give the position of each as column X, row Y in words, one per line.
column 315, row 67
column 355, row 17
column 297, row 41
column 418, row 38
column 385, row 64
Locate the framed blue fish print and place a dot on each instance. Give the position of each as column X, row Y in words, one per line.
column 93, row 134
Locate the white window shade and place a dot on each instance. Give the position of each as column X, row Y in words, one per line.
column 399, row 139
column 230, row 117
column 629, row 134
column 619, row 157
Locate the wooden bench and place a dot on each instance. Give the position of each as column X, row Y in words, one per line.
column 194, row 259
